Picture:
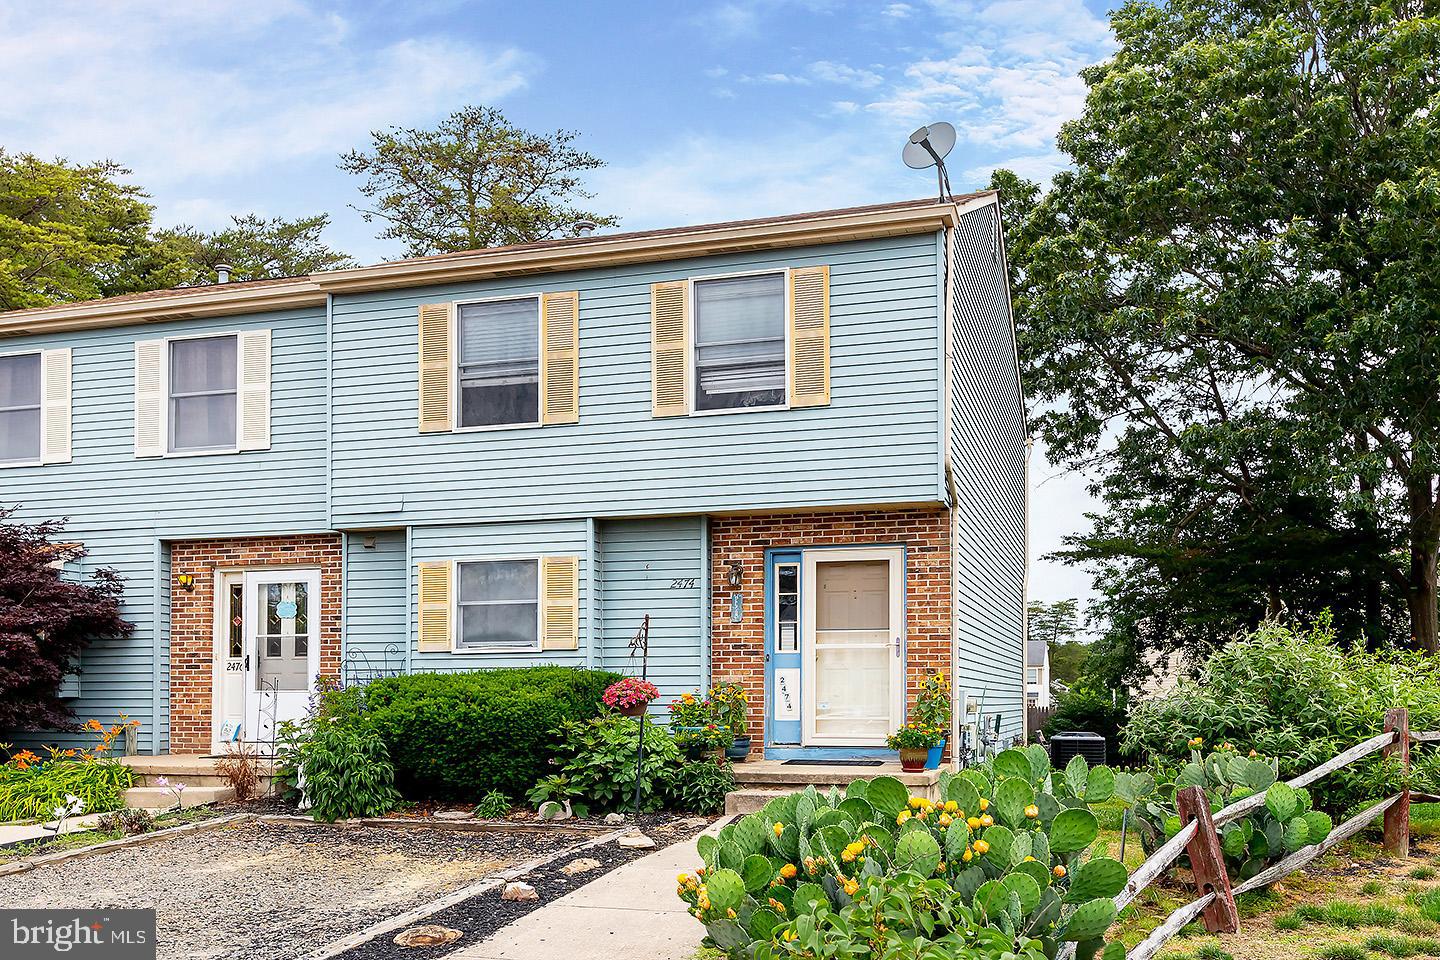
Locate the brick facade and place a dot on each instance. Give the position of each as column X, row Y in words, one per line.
column 192, row 618
column 738, row 649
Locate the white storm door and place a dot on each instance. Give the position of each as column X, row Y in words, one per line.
column 853, row 646
column 282, row 648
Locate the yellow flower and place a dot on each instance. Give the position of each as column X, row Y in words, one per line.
column 1032, row 811
column 915, row 803
column 1029, row 860
column 1059, row 870
column 968, row 855
column 904, row 815
column 981, row 847
column 987, row 821
column 945, row 820
column 973, row 823
column 779, row 828
column 951, row 806
column 788, row 871
column 788, row 935
column 984, row 804
column 682, row 878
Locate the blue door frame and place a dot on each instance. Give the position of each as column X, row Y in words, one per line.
column 782, row 737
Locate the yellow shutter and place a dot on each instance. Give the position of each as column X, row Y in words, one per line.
column 560, row 358
column 254, row 433
column 670, row 349
column 436, row 365
column 436, row 587
column 560, row 603
column 810, row 337
column 150, row 398
column 55, row 406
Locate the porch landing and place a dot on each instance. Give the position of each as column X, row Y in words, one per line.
column 203, row 783
column 757, row 782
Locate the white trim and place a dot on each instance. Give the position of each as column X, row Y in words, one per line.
column 253, row 577
column 692, row 328
column 222, row 580
column 809, row 596
column 455, row 306
column 39, row 460
column 455, row 565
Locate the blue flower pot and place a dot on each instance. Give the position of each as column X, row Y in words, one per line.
column 932, row 759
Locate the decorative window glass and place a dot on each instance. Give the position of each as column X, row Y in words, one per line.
column 236, row 612
column 203, row 395
column 20, row 408
column 498, row 605
column 499, row 368
column 740, row 342
column 787, row 608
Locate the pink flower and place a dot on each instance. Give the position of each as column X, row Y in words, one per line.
column 629, row 692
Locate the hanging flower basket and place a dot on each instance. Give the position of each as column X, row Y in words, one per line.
column 630, row 697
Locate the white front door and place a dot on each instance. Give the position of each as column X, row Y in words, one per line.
column 282, row 648
column 853, row 646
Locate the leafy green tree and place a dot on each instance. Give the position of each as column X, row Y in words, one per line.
column 254, row 248
column 67, row 231
column 1234, row 291
column 1055, row 622
column 474, row 181
column 1067, row 661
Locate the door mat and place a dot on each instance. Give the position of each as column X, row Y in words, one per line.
column 831, row 763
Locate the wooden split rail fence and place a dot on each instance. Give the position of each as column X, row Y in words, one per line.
column 1200, row 839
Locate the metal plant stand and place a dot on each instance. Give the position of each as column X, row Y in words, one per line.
column 641, row 642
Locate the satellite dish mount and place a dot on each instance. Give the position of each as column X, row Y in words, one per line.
column 928, row 147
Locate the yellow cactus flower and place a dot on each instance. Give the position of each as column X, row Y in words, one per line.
column 1059, row 870
column 951, row 806
column 1032, row 811
column 788, row 871
column 945, row 820
column 779, row 828
column 987, row 821
column 788, row 935
column 981, row 847
column 973, row 823
column 984, row 804
column 682, row 878
column 1029, row 860
column 914, row 803
column 968, row 855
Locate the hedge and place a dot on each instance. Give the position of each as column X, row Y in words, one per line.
column 457, row 736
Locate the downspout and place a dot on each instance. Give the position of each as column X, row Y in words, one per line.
column 330, row 429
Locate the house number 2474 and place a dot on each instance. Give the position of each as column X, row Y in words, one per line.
column 684, row 583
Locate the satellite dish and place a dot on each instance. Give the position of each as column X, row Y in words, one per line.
column 928, row 147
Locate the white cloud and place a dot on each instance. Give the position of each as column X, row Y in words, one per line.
column 211, row 89
column 897, row 11
column 830, row 72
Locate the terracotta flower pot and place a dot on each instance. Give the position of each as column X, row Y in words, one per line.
column 634, row 710
column 912, row 759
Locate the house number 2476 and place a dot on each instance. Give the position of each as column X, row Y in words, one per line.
column 684, row 583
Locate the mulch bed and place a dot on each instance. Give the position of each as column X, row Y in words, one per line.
column 479, row 917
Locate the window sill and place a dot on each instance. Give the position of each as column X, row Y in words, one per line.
column 493, row 651
column 719, row 413
column 11, row 464
column 181, row 454
column 495, row 427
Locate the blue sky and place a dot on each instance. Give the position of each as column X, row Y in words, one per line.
column 704, row 111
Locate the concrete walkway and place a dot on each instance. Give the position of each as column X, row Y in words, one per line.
column 631, row 912
column 20, row 832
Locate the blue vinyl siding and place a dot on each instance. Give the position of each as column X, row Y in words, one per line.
column 643, row 560
column 375, row 599
column 123, row 508
column 987, row 457
column 875, row 442
column 495, row 541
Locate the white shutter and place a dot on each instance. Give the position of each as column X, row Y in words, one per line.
column 150, row 398
column 55, row 406
column 254, row 422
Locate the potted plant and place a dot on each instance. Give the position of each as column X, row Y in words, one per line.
column 731, row 706
column 690, row 714
column 932, row 709
column 914, row 742
column 710, row 740
column 630, row 696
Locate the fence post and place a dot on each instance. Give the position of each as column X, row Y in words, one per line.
column 1207, row 862
column 1397, row 818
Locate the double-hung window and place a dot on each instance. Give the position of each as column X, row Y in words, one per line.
column 498, row 604
column 740, row 356
column 499, row 362
column 204, row 394
column 20, row 405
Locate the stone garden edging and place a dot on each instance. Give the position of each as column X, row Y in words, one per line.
column 22, row 866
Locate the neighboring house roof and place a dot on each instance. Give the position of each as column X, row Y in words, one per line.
column 220, row 299
column 1036, row 653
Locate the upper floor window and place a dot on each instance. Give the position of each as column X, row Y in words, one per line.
column 204, row 393
column 20, row 408
column 740, row 356
column 499, row 605
column 1033, row 675
column 499, row 362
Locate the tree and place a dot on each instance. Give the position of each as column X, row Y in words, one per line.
column 474, row 181
column 1056, row 622
column 46, row 619
column 1234, row 293
column 67, row 231
column 254, row 248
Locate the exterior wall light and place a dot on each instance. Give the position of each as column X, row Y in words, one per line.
column 186, row 581
column 733, row 577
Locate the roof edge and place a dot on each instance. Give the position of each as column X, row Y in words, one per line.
column 703, row 240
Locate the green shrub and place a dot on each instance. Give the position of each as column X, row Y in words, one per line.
column 700, row 786
column 1293, row 693
column 493, row 806
column 32, row 790
column 598, row 762
column 457, row 736
column 341, row 765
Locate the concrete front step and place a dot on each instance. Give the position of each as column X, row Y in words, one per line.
column 193, row 771
column 759, row 782
column 163, row 798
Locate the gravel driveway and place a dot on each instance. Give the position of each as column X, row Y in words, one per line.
column 275, row 890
